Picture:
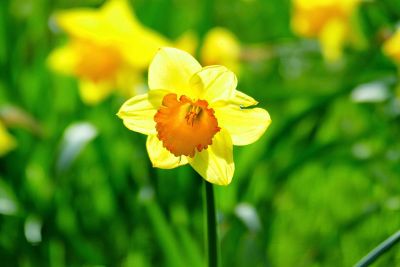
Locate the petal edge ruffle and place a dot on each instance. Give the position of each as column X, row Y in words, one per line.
column 245, row 126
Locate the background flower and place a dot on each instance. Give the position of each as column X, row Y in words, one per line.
column 329, row 21
column 221, row 47
column 108, row 49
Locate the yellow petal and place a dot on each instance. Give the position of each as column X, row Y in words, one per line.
column 98, row 24
column 243, row 100
column 82, row 23
column 7, row 141
column 138, row 112
column 214, row 83
column 137, row 42
column 215, row 164
column 161, row 157
column 244, row 125
column 118, row 15
column 139, row 48
column 171, row 69
column 94, row 92
column 332, row 39
column 156, row 97
column 392, row 46
column 63, row 60
column 349, row 5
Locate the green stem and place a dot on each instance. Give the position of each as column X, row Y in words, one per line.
column 379, row 250
column 212, row 238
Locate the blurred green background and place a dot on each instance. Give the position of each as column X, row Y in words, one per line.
column 321, row 188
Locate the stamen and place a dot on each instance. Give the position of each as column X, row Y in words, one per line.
column 184, row 126
column 193, row 112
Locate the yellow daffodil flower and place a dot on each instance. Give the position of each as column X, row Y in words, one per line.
column 326, row 20
column 193, row 115
column 7, row 142
column 108, row 49
column 392, row 47
column 221, row 47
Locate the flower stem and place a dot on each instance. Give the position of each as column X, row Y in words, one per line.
column 379, row 250
column 212, row 238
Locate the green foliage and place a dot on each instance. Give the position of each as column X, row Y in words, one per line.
column 321, row 187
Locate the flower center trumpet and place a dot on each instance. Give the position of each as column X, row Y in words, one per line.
column 183, row 125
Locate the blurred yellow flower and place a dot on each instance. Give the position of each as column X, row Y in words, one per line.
column 108, row 49
column 221, row 47
column 193, row 115
column 326, row 20
column 188, row 42
column 392, row 47
column 7, row 142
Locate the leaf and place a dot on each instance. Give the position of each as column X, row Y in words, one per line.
column 76, row 137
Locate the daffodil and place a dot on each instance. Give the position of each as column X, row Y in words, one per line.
column 221, row 47
column 392, row 47
column 193, row 115
column 7, row 141
column 327, row 20
column 108, row 49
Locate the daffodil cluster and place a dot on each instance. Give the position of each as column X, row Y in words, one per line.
column 193, row 115
column 329, row 21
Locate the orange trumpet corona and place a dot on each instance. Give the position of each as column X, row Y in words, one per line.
column 184, row 125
